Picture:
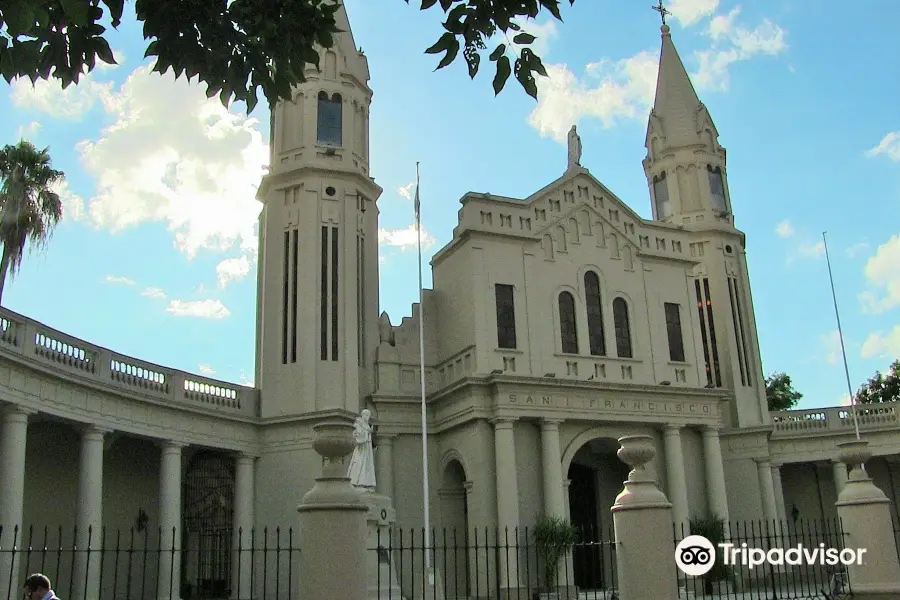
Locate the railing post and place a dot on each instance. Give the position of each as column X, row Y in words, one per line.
column 333, row 524
column 643, row 520
column 865, row 517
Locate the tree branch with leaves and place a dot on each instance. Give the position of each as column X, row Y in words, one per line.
column 242, row 47
column 881, row 387
column 780, row 392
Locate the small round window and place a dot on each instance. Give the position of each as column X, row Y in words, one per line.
column 728, row 249
column 330, row 192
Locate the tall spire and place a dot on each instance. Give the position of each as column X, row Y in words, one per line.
column 678, row 117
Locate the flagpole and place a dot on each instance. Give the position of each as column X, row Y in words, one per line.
column 425, row 492
column 841, row 336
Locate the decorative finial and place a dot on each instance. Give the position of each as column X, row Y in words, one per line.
column 662, row 10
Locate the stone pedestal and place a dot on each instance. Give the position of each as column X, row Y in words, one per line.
column 643, row 520
column 380, row 546
column 865, row 515
column 333, row 524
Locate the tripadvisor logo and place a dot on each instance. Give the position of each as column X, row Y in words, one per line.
column 695, row 555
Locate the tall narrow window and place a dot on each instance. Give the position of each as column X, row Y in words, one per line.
column 738, row 323
column 594, row 305
column 285, row 314
column 661, row 195
column 506, row 316
column 335, row 277
column 716, row 187
column 323, row 305
column 295, row 258
column 712, row 333
column 673, row 328
column 567, row 326
column 623, row 328
column 361, row 299
column 703, row 336
column 329, row 119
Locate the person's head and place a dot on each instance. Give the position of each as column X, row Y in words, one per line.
column 36, row 586
column 366, row 414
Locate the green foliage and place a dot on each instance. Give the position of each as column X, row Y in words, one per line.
column 240, row 47
column 29, row 208
column 553, row 537
column 713, row 529
column 780, row 394
column 881, row 387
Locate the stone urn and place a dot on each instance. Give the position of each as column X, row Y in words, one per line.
column 636, row 451
column 854, row 454
column 333, row 441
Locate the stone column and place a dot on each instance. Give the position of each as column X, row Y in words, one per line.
column 384, row 465
column 507, row 502
column 767, row 490
column 839, row 471
column 170, row 520
column 715, row 474
column 779, row 495
column 677, row 480
column 555, row 504
column 333, row 512
column 865, row 515
column 244, row 512
column 642, row 516
column 13, row 434
column 86, row 584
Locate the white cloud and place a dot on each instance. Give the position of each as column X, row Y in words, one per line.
column 889, row 145
column 72, row 203
column 28, row 131
column 153, row 292
column 48, row 96
column 543, row 33
column 831, row 343
column 785, row 229
column 118, row 279
column 811, row 250
column 882, row 345
column 407, row 190
column 196, row 168
column 689, row 12
column 882, row 271
column 204, row 309
column 857, row 249
column 232, row 269
column 206, row 370
column 405, row 238
column 624, row 89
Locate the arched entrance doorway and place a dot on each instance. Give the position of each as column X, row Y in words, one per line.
column 595, row 479
column 455, row 516
column 208, row 510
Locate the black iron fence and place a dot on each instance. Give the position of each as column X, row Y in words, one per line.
column 129, row 564
column 492, row 563
column 765, row 560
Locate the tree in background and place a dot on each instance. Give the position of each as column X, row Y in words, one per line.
column 239, row 46
column 29, row 208
column 881, row 387
column 780, row 394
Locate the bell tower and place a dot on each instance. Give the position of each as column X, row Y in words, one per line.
column 317, row 296
column 686, row 174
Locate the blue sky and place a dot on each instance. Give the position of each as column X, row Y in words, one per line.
column 161, row 265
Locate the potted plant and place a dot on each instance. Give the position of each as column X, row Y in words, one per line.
column 713, row 529
column 553, row 538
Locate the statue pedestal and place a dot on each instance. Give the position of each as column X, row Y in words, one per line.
column 382, row 579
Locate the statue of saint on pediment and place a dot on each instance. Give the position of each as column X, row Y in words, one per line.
column 574, row 148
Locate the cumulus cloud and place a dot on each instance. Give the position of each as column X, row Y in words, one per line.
column 882, row 272
column 889, row 146
column 611, row 90
column 153, row 292
column 407, row 190
column 784, row 229
column 204, row 309
column 882, row 345
column 405, row 238
column 49, row 97
column 118, row 279
column 232, row 269
column 195, row 169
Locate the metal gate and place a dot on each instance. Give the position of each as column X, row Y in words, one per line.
column 208, row 519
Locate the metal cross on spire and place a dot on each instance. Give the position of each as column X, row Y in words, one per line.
column 662, row 10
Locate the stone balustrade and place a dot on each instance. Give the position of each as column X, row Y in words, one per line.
column 836, row 419
column 27, row 341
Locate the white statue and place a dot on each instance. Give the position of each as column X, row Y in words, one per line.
column 574, row 148
column 362, row 463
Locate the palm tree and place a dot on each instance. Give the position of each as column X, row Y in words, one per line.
column 29, row 208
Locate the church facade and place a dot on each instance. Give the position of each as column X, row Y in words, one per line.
column 557, row 323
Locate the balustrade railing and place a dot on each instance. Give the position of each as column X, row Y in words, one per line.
column 21, row 337
column 837, row 418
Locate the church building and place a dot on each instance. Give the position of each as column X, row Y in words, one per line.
column 556, row 324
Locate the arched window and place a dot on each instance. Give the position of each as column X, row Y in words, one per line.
column 661, row 195
column 567, row 327
column 623, row 328
column 329, row 120
column 594, row 306
column 716, row 188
